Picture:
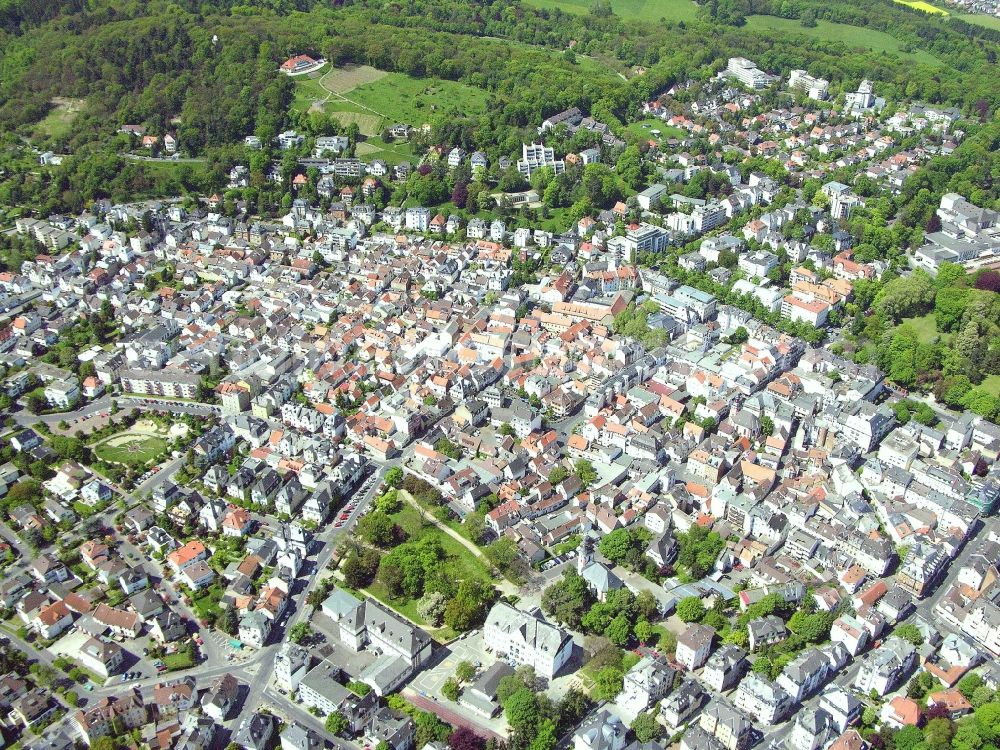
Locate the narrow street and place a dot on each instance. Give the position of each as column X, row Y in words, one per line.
column 327, row 540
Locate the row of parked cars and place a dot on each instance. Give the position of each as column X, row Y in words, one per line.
column 348, row 509
column 549, row 564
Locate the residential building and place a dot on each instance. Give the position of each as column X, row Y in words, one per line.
column 694, row 646
column 885, row 668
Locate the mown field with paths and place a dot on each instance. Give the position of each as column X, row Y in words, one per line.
column 58, row 123
column 349, row 77
column 391, row 153
column 375, row 99
column 644, row 129
column 397, row 98
column 460, row 564
column 308, row 92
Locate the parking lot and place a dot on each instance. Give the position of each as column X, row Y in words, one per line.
column 352, row 505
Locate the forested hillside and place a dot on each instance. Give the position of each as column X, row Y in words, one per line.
column 208, row 72
column 148, row 61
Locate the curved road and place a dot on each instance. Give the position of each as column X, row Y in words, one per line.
column 26, row 419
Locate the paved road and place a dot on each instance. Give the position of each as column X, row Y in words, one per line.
column 328, row 539
column 15, row 541
column 26, row 419
column 925, row 606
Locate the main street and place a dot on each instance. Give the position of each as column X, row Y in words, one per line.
column 326, row 544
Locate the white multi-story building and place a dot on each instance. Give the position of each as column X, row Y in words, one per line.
column 814, row 88
column 694, row 645
column 370, row 624
column 538, row 155
column 747, row 73
column 290, row 666
column 885, row 668
column 759, row 697
column 418, row 218
column 708, row 217
column 644, row 685
column 527, row 639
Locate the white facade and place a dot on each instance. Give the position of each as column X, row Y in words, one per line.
column 527, row 640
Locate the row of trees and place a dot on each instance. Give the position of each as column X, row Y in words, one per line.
column 622, row 618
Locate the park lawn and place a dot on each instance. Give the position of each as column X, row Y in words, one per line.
column 206, row 602
column 588, row 673
column 991, row 384
column 391, row 153
column 925, row 326
column 560, row 220
column 659, row 634
column 138, row 452
column 307, row 90
column 161, row 170
column 853, row 36
column 644, row 130
column 630, row 10
column 460, row 564
column 347, row 113
column 58, row 123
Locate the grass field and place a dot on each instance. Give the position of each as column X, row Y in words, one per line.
column 375, row 99
column 390, row 153
column 368, row 123
column 639, row 10
column 206, row 602
column 925, row 327
column 195, row 170
column 644, row 129
column 991, row 384
column 59, row 121
column 307, row 91
column 397, row 97
column 180, row 660
column 131, row 450
column 989, row 22
column 924, row 6
column 853, row 36
column 348, row 78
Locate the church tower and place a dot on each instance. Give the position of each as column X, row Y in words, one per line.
column 585, row 553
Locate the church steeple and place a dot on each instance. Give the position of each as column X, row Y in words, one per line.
column 585, row 553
